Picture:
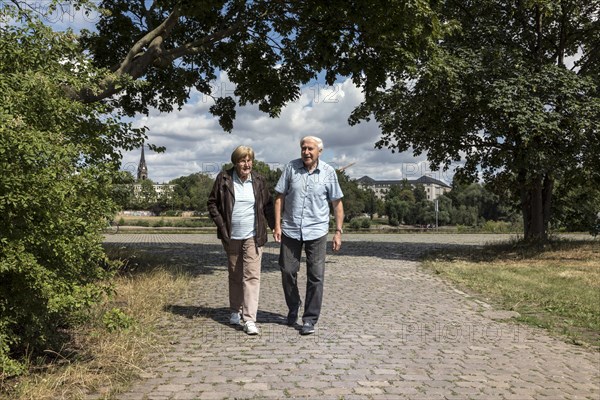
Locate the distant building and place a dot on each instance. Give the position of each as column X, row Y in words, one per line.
column 142, row 174
column 159, row 188
column 433, row 187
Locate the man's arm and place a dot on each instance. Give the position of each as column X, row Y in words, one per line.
column 338, row 212
column 278, row 210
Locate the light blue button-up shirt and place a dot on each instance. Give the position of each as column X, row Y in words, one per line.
column 306, row 199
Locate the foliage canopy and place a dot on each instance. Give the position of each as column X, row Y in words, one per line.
column 266, row 48
column 498, row 96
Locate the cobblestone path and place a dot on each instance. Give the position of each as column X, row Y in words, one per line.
column 388, row 330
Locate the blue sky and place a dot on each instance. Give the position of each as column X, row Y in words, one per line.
column 195, row 142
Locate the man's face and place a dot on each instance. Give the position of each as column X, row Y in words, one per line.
column 309, row 152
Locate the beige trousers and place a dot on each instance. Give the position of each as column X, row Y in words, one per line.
column 244, row 263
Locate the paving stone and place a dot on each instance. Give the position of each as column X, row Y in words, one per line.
column 185, row 396
column 368, row 390
column 388, row 330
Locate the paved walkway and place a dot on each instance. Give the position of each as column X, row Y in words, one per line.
column 388, row 330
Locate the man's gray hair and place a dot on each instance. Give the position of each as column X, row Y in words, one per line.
column 315, row 139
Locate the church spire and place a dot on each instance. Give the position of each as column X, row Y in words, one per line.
column 142, row 173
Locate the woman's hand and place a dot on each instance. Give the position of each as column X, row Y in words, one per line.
column 277, row 234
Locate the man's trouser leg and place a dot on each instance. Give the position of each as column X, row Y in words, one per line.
column 289, row 262
column 315, row 276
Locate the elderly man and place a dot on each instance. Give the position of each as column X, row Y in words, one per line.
column 304, row 192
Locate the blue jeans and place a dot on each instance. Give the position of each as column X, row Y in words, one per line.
column 289, row 261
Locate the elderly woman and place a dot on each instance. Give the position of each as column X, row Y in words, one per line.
column 241, row 206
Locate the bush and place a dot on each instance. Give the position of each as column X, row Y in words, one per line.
column 360, row 223
column 498, row 227
column 51, row 258
column 354, row 224
column 57, row 161
column 462, row 229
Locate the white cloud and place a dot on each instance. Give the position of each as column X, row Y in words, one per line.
column 196, row 143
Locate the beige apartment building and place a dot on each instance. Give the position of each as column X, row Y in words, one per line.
column 433, row 187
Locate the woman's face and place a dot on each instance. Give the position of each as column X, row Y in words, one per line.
column 243, row 167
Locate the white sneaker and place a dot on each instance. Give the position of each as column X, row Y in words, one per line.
column 235, row 318
column 250, row 328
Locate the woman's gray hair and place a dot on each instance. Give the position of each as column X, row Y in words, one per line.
column 315, row 139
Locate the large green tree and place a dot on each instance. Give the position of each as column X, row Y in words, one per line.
column 354, row 197
column 511, row 92
column 145, row 196
column 489, row 206
column 268, row 49
column 191, row 192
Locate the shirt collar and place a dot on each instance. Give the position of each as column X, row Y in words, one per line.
column 314, row 170
column 236, row 177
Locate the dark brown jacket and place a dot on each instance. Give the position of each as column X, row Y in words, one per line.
column 222, row 197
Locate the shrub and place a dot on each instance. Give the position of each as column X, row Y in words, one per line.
column 497, row 227
column 462, row 229
column 354, row 224
column 360, row 223
column 57, row 161
column 52, row 214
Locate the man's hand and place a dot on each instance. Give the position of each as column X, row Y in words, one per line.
column 337, row 241
column 278, row 208
column 338, row 212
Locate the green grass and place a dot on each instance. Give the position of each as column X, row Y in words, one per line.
column 556, row 287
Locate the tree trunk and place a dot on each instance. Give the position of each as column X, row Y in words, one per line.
column 536, row 201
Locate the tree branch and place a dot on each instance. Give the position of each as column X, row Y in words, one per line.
column 152, row 41
column 140, row 56
column 196, row 46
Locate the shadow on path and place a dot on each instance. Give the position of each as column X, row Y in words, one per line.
column 221, row 314
column 196, row 259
